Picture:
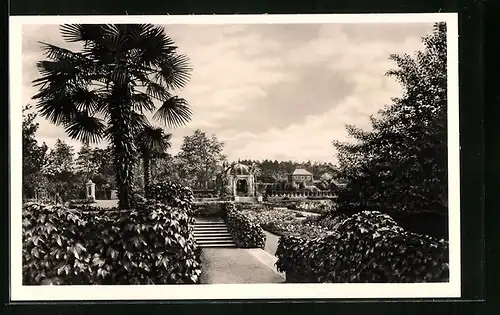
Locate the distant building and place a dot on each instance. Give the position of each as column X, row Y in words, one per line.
column 300, row 175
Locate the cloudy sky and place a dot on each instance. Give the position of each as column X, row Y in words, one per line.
column 272, row 91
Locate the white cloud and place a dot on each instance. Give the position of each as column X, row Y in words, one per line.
column 271, row 91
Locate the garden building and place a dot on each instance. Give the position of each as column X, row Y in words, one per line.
column 300, row 175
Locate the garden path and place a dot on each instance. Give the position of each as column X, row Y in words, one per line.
column 271, row 242
column 106, row 203
column 238, row 266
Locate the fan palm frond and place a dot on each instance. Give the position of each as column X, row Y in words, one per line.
column 81, row 32
column 174, row 71
column 142, row 102
column 174, row 112
column 86, row 128
column 157, row 91
column 58, row 110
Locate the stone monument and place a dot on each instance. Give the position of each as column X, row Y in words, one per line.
column 90, row 190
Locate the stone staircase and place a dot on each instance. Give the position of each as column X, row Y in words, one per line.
column 212, row 233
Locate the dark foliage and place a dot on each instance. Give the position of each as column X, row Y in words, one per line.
column 401, row 165
column 245, row 231
column 367, row 247
column 174, row 195
column 152, row 245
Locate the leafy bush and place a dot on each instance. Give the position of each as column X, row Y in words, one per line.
column 245, row 231
column 209, row 208
column 174, row 195
column 154, row 244
column 367, row 247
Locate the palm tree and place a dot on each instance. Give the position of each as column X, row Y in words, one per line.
column 151, row 143
column 103, row 90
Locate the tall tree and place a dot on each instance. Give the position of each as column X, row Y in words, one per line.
column 60, row 170
column 152, row 143
column 34, row 155
column 201, row 157
column 86, row 164
column 401, row 165
column 104, row 89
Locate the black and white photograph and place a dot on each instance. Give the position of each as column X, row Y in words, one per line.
column 210, row 157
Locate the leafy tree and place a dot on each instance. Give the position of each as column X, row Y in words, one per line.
column 34, row 155
column 200, row 157
column 103, row 90
column 86, row 164
column 401, row 165
column 152, row 143
column 105, row 175
column 60, row 171
column 168, row 168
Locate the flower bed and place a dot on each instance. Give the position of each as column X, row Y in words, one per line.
column 153, row 244
column 367, row 247
column 245, row 230
column 287, row 222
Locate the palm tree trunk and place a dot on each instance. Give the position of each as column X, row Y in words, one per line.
column 147, row 177
column 123, row 161
column 123, row 146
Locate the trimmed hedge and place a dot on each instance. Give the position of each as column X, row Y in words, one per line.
column 154, row 244
column 174, row 195
column 210, row 208
column 367, row 247
column 245, row 231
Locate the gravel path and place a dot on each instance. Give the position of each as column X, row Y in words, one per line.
column 237, row 266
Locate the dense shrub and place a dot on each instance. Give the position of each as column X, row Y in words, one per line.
column 367, row 247
column 246, row 232
column 154, row 244
column 209, row 208
column 174, row 195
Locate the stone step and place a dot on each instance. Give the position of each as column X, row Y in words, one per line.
column 203, row 243
column 209, row 226
column 217, row 245
column 222, row 232
column 211, row 232
column 213, row 236
column 211, row 229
